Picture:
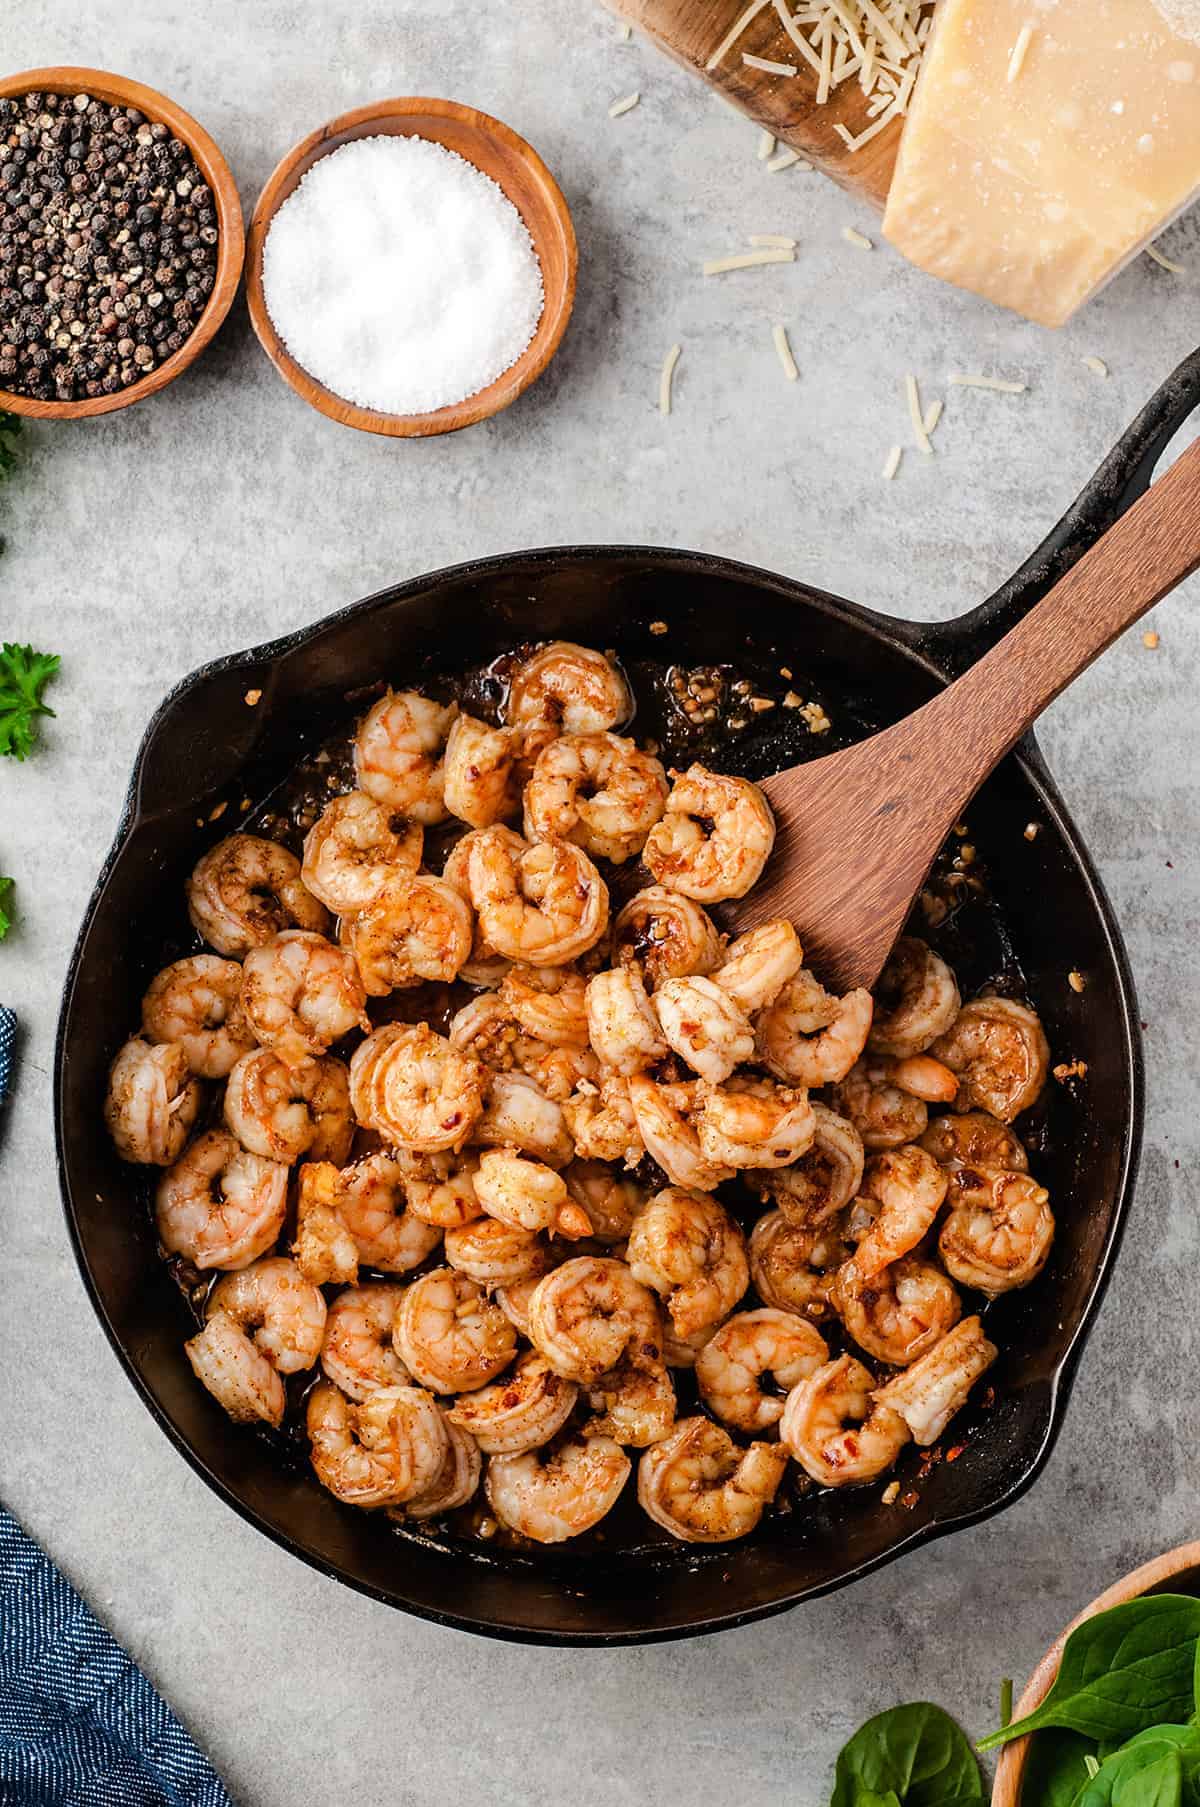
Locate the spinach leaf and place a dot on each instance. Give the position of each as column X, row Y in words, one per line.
column 1121, row 1672
column 1056, row 1770
column 912, row 1756
column 1152, row 1777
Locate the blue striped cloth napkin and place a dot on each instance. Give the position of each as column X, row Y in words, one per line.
column 80, row 1726
column 8, row 1042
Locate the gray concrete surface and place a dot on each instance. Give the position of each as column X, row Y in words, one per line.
column 225, row 511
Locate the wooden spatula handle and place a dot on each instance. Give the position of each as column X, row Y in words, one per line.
column 1145, row 555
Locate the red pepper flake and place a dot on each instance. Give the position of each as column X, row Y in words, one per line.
column 910, row 1499
column 952, row 1455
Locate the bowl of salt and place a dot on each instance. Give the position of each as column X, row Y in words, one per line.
column 410, row 267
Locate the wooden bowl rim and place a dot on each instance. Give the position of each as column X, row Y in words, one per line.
column 123, row 91
column 512, row 382
column 1010, row 1774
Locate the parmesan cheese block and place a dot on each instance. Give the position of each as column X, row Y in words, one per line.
column 1047, row 143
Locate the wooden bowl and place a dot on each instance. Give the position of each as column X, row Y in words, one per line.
column 231, row 245
column 493, row 148
column 1178, row 1572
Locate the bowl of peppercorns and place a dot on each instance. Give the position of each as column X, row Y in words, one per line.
column 121, row 242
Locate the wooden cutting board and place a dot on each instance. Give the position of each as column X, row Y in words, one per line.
column 691, row 30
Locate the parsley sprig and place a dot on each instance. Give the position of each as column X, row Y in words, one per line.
column 24, row 675
column 6, row 891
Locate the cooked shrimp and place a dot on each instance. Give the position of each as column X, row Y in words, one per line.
column 664, row 935
column 449, row 1335
column 457, row 1481
column 281, row 1311
column 688, row 1249
column 909, row 1187
column 398, row 754
column 197, row 1003
column 266, row 1321
column 496, row 1253
column 325, row 1251
column 791, row 1265
column 413, row 929
column 999, row 1230
column 239, row 1377
column 883, row 1114
column 486, row 968
column 589, row 1313
column 480, row 785
column 300, row 994
column 927, row 1395
column 526, row 1194
column 518, row 1114
column 514, row 1302
column 152, row 1102
column 634, row 1404
column 731, row 1366
column 824, row 1179
column 622, row 1023
column 836, row 1431
column 919, row 1075
column 548, row 1003
column 357, row 1353
column 754, row 1123
column 409, row 1084
column 440, row 1188
column 597, row 790
column 219, row 1206
column 601, row 1122
column 917, row 1000
column 715, row 838
column 975, row 1139
column 373, row 1201
column 793, row 1053
column 281, row 1111
column 559, row 1490
column 387, row 1449
column 759, row 964
column 522, row 1411
column 610, row 1200
column 698, row 1485
column 352, row 850
column 566, row 689
column 665, row 1120
column 999, row 1051
column 245, row 891
column 543, row 906
column 897, row 1312
column 704, row 1026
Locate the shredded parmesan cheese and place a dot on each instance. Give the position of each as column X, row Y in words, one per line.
column 892, row 464
column 933, row 414
column 735, row 31
column 625, row 32
column 773, row 238
column 916, row 415
column 787, row 160
column 853, row 237
column 779, row 334
column 746, row 260
column 989, row 382
column 770, row 68
column 1165, row 263
column 766, row 146
column 664, row 381
column 1097, row 366
column 1016, row 61
column 623, row 106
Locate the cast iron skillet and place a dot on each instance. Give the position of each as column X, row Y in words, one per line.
column 205, row 746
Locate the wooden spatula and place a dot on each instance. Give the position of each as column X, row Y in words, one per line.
column 858, row 830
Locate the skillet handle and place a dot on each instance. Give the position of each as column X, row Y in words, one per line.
column 1121, row 479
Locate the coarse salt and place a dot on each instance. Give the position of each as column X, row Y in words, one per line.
column 400, row 276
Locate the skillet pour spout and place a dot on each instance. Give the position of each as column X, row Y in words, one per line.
column 1047, row 914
